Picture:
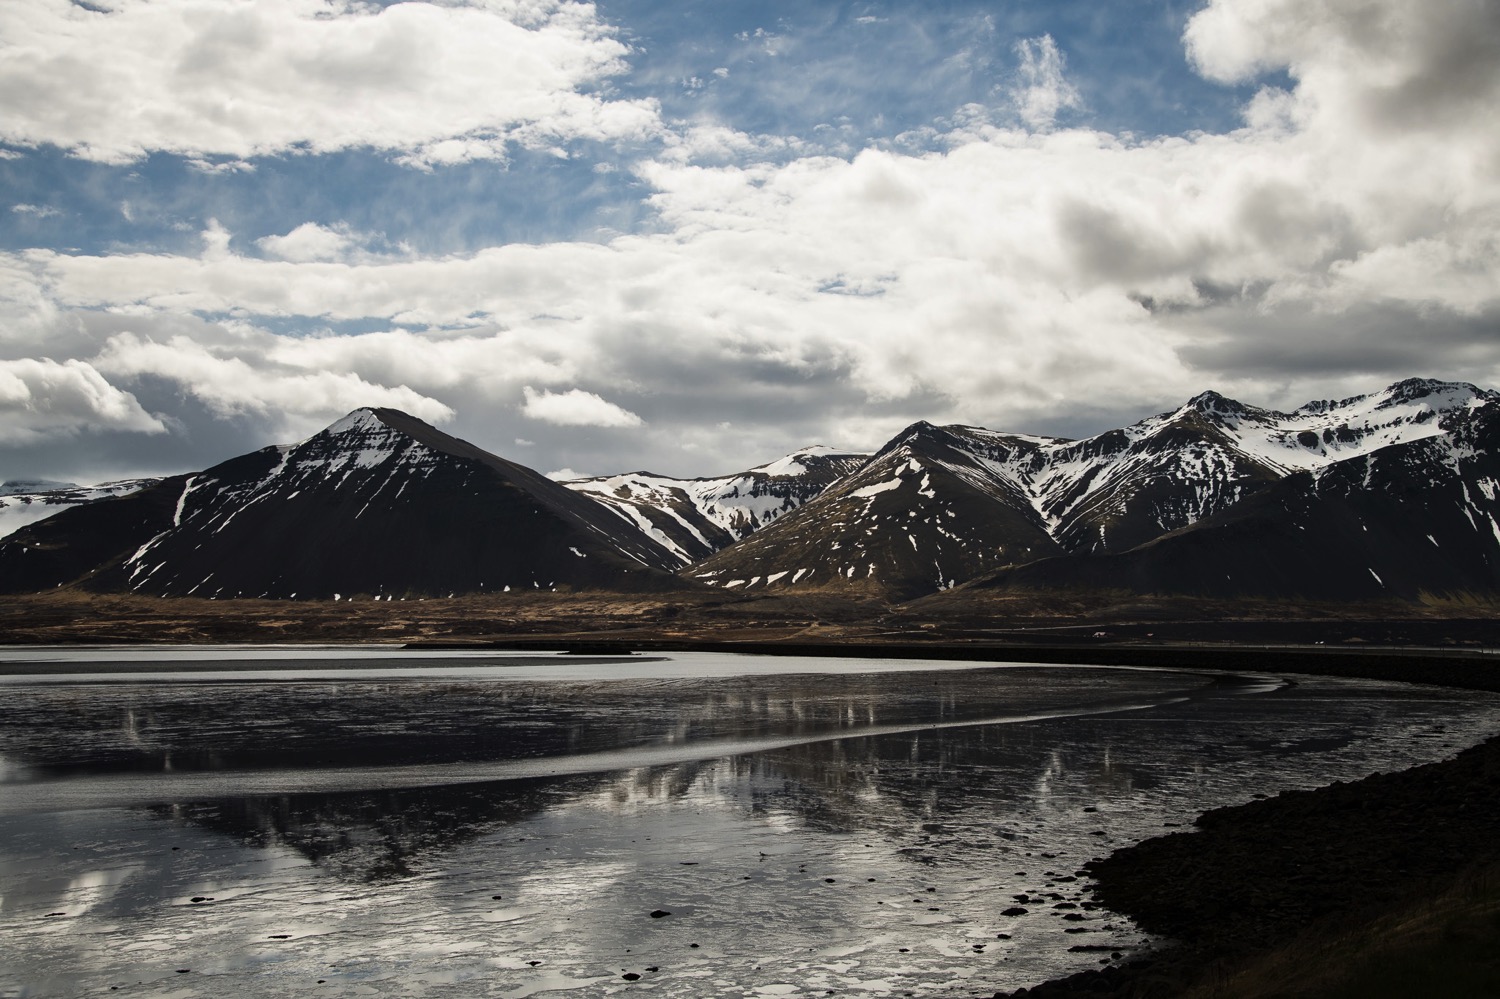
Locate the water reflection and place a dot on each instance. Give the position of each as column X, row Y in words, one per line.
column 888, row 861
column 62, row 730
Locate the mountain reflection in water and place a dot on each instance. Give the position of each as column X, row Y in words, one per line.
column 853, row 845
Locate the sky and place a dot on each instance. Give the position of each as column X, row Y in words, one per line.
column 693, row 236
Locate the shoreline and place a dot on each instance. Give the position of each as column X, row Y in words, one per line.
column 1310, row 893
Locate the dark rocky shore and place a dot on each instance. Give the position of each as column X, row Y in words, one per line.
column 1304, row 893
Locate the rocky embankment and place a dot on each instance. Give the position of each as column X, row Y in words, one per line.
column 1287, row 875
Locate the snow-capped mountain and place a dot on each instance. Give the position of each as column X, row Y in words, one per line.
column 693, row 518
column 935, row 506
column 1415, row 519
column 1392, row 493
column 378, row 503
column 940, row 505
column 23, row 503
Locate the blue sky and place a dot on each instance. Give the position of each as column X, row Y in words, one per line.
column 693, row 236
column 839, row 76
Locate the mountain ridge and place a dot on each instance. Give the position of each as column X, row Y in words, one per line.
column 381, row 503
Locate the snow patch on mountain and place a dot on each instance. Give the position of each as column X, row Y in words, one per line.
column 23, row 503
column 693, row 518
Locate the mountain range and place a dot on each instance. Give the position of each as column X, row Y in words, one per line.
column 1391, row 494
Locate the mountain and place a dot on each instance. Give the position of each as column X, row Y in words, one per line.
column 1388, row 494
column 940, row 505
column 693, row 518
column 23, row 503
column 935, row 506
column 378, row 503
column 1413, row 520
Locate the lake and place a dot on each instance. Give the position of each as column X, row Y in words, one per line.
column 379, row 822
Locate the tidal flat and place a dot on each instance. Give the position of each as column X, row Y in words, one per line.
column 247, row 821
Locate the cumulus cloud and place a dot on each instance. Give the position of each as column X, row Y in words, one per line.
column 309, row 241
column 999, row 280
column 236, row 381
column 223, row 82
column 42, row 398
column 575, row 408
column 1361, row 64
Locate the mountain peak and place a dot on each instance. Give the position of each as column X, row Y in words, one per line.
column 1211, row 403
column 1413, row 389
column 361, row 420
column 797, row 462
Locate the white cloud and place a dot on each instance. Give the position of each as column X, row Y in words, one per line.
column 999, row 281
column 41, row 398
column 217, row 80
column 309, row 241
column 1362, row 65
column 37, row 211
column 575, row 408
column 235, row 379
column 1042, row 91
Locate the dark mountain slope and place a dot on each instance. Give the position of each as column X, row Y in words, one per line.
column 379, row 503
column 1410, row 520
column 925, row 513
column 81, row 542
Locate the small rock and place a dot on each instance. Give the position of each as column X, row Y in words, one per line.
column 1014, row 910
column 659, row 913
column 631, row 976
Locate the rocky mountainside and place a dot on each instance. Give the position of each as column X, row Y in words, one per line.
column 23, row 503
column 940, row 505
column 1387, row 494
column 936, row 506
column 1414, row 520
column 693, row 518
column 378, row 503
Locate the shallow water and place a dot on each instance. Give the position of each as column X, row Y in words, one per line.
column 813, row 826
